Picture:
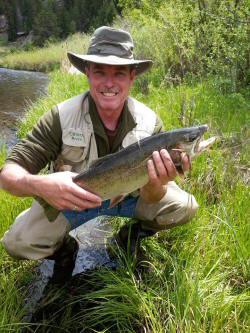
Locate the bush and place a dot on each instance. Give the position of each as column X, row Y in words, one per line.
column 194, row 38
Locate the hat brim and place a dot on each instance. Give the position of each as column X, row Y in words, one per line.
column 80, row 61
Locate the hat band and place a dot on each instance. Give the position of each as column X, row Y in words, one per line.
column 121, row 50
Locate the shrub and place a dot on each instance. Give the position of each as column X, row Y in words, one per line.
column 195, row 38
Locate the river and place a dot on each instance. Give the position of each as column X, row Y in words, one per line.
column 17, row 89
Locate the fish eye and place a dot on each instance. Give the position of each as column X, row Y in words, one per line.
column 192, row 137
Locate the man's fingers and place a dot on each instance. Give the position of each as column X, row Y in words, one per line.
column 80, row 199
column 61, row 192
column 85, row 195
column 168, row 164
column 151, row 170
column 160, row 166
column 79, row 205
column 185, row 162
column 74, row 202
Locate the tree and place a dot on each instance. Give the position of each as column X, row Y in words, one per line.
column 58, row 18
column 30, row 9
column 45, row 26
column 12, row 26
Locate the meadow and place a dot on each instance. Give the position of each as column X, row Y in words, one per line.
column 199, row 276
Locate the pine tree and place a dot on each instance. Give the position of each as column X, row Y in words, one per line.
column 58, row 18
column 45, row 26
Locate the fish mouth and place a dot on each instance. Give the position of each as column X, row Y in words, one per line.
column 194, row 145
column 198, row 145
column 191, row 147
column 192, row 142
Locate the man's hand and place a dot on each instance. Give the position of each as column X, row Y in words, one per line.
column 58, row 189
column 161, row 170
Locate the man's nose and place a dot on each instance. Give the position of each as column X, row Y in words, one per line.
column 109, row 80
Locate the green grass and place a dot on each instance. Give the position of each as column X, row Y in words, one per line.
column 43, row 59
column 199, row 280
column 14, row 274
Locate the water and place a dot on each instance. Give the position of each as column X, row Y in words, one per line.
column 17, row 90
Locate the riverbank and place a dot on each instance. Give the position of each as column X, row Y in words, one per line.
column 199, row 277
column 17, row 90
column 44, row 59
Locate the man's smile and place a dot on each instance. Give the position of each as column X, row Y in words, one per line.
column 106, row 92
column 109, row 94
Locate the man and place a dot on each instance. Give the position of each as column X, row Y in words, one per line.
column 72, row 135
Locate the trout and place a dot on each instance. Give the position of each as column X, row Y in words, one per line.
column 116, row 175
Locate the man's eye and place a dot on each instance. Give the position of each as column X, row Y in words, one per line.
column 98, row 72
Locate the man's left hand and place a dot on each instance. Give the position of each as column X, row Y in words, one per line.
column 161, row 170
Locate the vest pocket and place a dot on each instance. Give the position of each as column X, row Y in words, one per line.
column 72, row 154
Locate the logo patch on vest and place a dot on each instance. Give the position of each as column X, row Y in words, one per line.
column 74, row 137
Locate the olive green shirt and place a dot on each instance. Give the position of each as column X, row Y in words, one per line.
column 43, row 144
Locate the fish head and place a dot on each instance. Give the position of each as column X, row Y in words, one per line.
column 189, row 140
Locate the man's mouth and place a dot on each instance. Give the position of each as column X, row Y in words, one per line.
column 109, row 94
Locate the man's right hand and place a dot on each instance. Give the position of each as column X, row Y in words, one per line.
column 58, row 189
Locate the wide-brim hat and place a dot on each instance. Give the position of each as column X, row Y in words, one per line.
column 110, row 46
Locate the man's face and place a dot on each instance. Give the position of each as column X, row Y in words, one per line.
column 109, row 86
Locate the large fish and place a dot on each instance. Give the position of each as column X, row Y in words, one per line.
column 116, row 175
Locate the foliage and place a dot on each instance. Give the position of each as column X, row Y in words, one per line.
column 58, row 19
column 90, row 15
column 192, row 37
column 45, row 26
column 9, row 9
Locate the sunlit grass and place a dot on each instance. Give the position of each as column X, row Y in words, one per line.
column 14, row 274
column 47, row 58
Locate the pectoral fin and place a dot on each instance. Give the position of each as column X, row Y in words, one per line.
column 115, row 201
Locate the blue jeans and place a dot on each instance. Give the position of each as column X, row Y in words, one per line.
column 125, row 208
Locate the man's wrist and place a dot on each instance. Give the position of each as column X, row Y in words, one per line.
column 33, row 183
column 152, row 195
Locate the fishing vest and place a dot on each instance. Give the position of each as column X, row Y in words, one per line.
column 79, row 147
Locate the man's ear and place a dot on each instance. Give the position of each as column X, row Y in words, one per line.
column 132, row 76
column 87, row 71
